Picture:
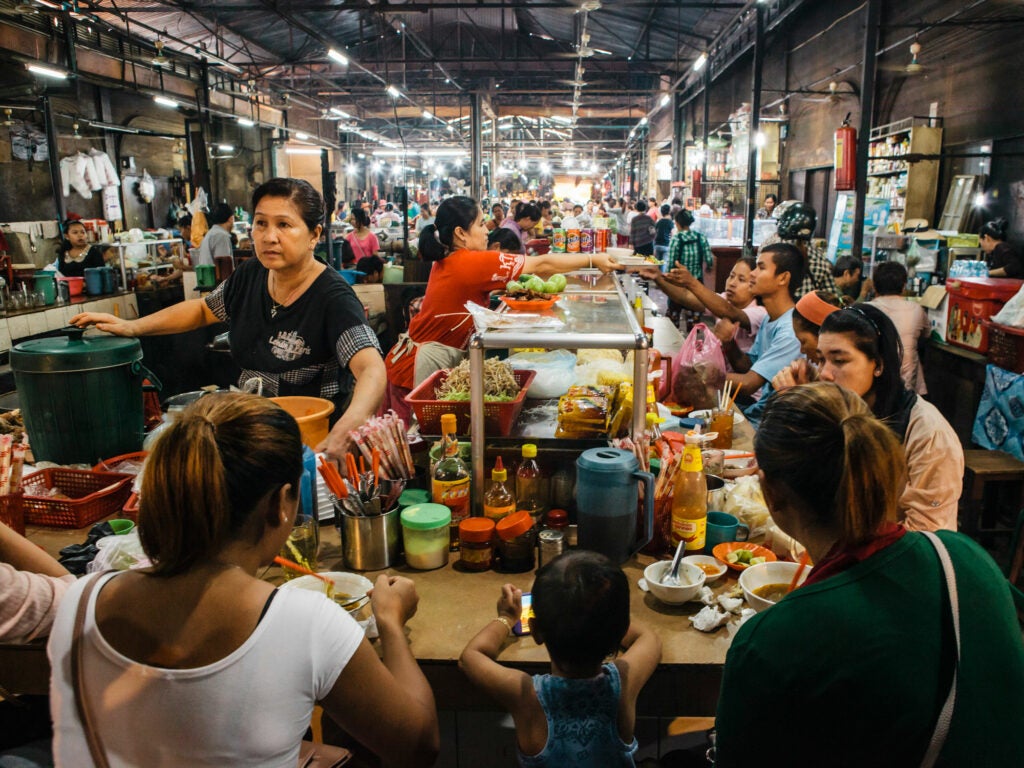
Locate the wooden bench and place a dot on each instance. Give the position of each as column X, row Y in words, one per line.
column 982, row 468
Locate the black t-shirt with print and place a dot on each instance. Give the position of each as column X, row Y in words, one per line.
column 301, row 349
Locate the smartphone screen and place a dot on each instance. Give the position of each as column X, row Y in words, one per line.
column 522, row 626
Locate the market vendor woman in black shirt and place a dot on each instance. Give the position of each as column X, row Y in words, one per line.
column 1003, row 260
column 75, row 255
column 295, row 324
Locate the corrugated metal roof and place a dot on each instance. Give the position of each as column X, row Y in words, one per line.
column 522, row 52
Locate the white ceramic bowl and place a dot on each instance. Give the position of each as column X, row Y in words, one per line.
column 344, row 584
column 690, row 576
column 768, row 573
column 707, row 560
column 619, row 253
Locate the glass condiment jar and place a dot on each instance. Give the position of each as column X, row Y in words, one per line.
column 476, row 544
column 516, row 542
column 425, row 532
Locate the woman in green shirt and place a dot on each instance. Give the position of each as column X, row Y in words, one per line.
column 853, row 668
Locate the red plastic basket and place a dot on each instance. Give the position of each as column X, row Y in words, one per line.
column 114, row 464
column 12, row 512
column 91, row 496
column 499, row 418
column 1006, row 346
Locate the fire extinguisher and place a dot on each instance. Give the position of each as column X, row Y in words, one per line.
column 695, row 183
column 846, row 156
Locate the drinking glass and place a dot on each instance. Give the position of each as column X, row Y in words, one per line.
column 721, row 422
column 303, row 544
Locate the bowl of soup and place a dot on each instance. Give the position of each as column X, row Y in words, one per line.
column 713, row 569
column 691, row 579
column 347, row 589
column 767, row 583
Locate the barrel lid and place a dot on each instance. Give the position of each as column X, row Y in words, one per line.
column 426, row 517
column 72, row 352
column 608, row 460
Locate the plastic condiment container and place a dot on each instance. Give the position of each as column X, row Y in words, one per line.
column 411, row 496
column 476, row 543
column 516, row 542
column 557, row 520
column 425, row 532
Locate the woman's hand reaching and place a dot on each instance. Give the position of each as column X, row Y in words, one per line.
column 104, row 322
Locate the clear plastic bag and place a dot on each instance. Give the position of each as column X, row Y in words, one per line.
column 556, row 371
column 120, row 553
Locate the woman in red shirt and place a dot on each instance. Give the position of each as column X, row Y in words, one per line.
column 464, row 270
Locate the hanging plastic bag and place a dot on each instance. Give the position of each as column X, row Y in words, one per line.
column 147, row 189
column 198, row 202
column 698, row 369
column 1012, row 312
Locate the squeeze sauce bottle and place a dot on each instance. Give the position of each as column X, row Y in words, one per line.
column 690, row 500
column 499, row 501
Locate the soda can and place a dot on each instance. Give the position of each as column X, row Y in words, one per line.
column 558, row 241
column 586, row 241
column 572, row 241
column 601, row 240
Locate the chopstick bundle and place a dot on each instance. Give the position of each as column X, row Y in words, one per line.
column 6, row 451
column 386, row 435
column 17, row 466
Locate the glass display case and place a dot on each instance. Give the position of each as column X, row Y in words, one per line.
column 596, row 313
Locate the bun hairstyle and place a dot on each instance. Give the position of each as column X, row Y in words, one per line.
column 437, row 239
column 527, row 211
column 208, row 474
column 581, row 608
column 300, row 192
column 843, row 468
column 684, row 218
column 996, row 229
column 875, row 336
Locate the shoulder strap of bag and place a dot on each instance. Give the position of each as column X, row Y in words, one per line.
column 99, row 757
column 946, row 713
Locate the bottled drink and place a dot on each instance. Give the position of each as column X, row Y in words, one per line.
column 530, row 495
column 450, row 483
column 499, row 500
column 690, row 500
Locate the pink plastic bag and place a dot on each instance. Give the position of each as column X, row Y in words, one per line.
column 698, row 369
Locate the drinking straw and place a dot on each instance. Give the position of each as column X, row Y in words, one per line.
column 376, row 467
column 284, row 563
column 804, row 559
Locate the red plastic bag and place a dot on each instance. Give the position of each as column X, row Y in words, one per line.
column 698, row 369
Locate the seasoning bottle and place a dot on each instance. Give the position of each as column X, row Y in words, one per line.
column 450, row 482
column 499, row 500
column 638, row 310
column 530, row 496
column 557, row 520
column 690, row 500
column 516, row 542
column 476, row 543
column 551, row 544
column 562, row 484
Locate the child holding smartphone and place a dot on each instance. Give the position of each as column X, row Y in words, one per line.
column 583, row 713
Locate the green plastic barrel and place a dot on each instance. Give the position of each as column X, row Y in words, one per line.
column 81, row 398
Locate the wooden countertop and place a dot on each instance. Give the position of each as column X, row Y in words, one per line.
column 454, row 605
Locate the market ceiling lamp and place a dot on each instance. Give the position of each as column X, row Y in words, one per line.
column 246, row 122
column 665, row 100
column 39, row 69
column 337, row 56
column 226, row 147
column 699, row 63
column 340, row 113
column 351, row 169
column 163, row 101
column 643, row 120
column 393, row 92
column 302, row 150
column 160, row 60
column 301, row 136
column 427, row 114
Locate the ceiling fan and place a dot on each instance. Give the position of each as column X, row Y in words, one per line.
column 912, row 68
column 7, row 118
column 160, row 60
column 837, row 91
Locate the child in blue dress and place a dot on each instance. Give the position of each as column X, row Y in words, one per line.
column 583, row 713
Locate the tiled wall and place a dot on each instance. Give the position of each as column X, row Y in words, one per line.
column 16, row 327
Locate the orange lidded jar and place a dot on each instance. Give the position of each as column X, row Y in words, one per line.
column 476, row 544
column 516, row 542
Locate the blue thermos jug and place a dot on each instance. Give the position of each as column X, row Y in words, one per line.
column 606, row 500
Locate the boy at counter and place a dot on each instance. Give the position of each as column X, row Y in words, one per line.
column 584, row 712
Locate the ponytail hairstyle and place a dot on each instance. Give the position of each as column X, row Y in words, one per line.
column 529, row 211
column 208, row 476
column 360, row 218
column 838, row 466
column 437, row 239
column 873, row 334
column 996, row 229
